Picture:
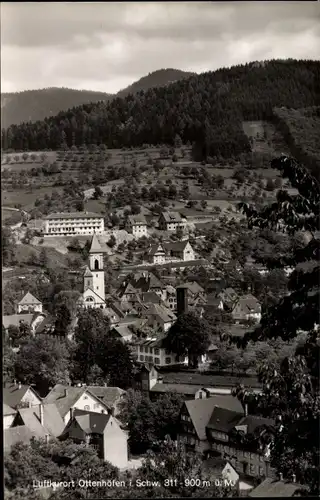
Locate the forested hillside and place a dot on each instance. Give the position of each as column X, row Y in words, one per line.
column 206, row 109
column 32, row 105
column 301, row 131
column 158, row 78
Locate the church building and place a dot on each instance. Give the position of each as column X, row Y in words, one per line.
column 93, row 280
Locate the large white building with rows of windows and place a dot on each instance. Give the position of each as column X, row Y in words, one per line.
column 73, row 224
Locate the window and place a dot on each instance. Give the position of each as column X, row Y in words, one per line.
column 141, row 357
column 157, row 361
column 252, row 456
column 168, row 361
column 261, row 458
column 141, row 348
column 147, row 349
column 96, row 405
column 246, row 454
column 97, row 275
column 261, row 471
column 252, row 469
column 87, row 407
column 157, row 352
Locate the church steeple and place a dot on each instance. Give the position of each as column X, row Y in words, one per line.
column 95, row 255
column 94, row 275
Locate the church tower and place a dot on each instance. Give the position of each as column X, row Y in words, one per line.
column 94, row 274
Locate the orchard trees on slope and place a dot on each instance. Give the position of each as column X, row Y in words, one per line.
column 291, row 393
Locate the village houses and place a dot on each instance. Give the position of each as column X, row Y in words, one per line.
column 170, row 221
column 137, row 225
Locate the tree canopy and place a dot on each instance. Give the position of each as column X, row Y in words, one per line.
column 188, row 336
column 291, row 392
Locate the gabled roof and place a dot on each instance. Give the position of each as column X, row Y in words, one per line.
column 171, row 216
column 29, row 299
column 91, row 422
column 249, row 303
column 12, row 394
column 123, row 330
column 274, row 488
column 223, row 419
column 7, row 410
column 15, row 435
column 193, row 286
column 88, row 273
column 156, row 248
column 254, row 422
column 95, row 245
column 65, row 397
column 109, row 395
column 200, row 410
column 52, row 420
column 138, row 219
column 165, row 314
column 175, row 246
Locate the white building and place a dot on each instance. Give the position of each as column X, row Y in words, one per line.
column 73, row 224
column 176, row 251
column 170, row 221
column 137, row 225
column 29, row 303
column 93, row 280
column 151, row 350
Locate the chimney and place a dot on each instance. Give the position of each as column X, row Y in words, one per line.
column 280, row 476
column 182, row 301
column 246, row 409
column 160, row 380
column 294, row 478
column 41, row 414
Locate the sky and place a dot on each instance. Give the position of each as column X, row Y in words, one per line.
column 108, row 46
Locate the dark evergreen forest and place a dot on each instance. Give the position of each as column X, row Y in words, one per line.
column 206, row 110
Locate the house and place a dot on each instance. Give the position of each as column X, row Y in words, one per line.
column 137, row 225
column 179, row 250
column 121, row 332
column 195, row 416
column 110, row 396
column 217, row 468
column 170, row 221
column 226, row 433
column 73, row 224
column 272, row 488
column 140, row 282
column 17, row 395
column 36, row 422
column 185, row 390
column 151, row 350
column 162, row 253
column 29, row 304
column 8, row 415
column 157, row 254
column 103, row 432
column 245, row 308
column 159, row 317
column 67, row 397
column 170, row 297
